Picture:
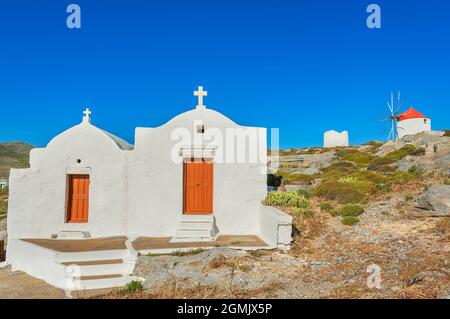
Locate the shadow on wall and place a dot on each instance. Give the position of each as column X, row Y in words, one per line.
column 2, row 251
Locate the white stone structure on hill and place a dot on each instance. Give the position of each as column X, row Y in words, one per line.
column 335, row 139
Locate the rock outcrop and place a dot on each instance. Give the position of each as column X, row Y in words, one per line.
column 436, row 199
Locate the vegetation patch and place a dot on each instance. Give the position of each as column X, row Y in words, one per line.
column 348, row 180
column 286, row 199
column 362, row 159
column 295, row 178
column 343, row 193
column 350, row 220
column 134, row 286
column 302, row 212
column 339, row 168
column 374, row 146
column 392, row 157
column 326, row 207
column 351, row 210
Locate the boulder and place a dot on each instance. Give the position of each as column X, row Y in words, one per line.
column 442, row 165
column 436, row 198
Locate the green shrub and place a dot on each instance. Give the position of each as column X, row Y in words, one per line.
column 357, row 157
column 334, row 213
column 416, row 171
column 295, row 178
column 339, row 168
column 351, row 210
column 348, row 180
column 400, row 177
column 409, row 198
column 182, row 253
column 343, row 193
column 326, row 207
column 134, row 286
column 350, row 220
column 286, row 199
column 392, row 157
column 447, row 182
column 303, row 192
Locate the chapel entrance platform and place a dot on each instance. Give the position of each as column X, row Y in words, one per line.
column 80, row 245
column 146, row 245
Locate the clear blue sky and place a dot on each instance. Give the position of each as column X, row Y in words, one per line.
column 302, row 66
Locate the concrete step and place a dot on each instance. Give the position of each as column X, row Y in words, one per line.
column 70, row 234
column 194, row 226
column 192, row 239
column 182, row 233
column 94, row 262
column 74, row 270
column 101, row 281
column 86, row 256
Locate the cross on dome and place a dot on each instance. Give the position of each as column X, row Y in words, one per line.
column 200, row 94
column 87, row 115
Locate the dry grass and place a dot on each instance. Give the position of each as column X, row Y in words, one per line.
column 3, row 202
column 172, row 290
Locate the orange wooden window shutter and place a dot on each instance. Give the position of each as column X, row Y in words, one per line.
column 78, row 198
column 198, row 188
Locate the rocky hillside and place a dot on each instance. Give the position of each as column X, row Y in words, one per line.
column 13, row 155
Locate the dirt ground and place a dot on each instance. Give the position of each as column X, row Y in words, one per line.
column 18, row 285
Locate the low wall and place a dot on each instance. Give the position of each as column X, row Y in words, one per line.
column 36, row 261
column 275, row 227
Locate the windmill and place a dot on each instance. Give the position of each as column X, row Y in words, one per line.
column 394, row 107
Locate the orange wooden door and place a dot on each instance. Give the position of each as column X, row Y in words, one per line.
column 198, row 188
column 78, row 199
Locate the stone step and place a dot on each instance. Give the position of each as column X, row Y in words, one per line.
column 74, row 270
column 199, row 233
column 192, row 239
column 94, row 262
column 70, row 234
column 86, row 256
column 101, row 281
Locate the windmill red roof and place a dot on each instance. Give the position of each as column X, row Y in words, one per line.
column 411, row 114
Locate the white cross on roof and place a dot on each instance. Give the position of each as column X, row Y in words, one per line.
column 200, row 94
column 87, row 115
